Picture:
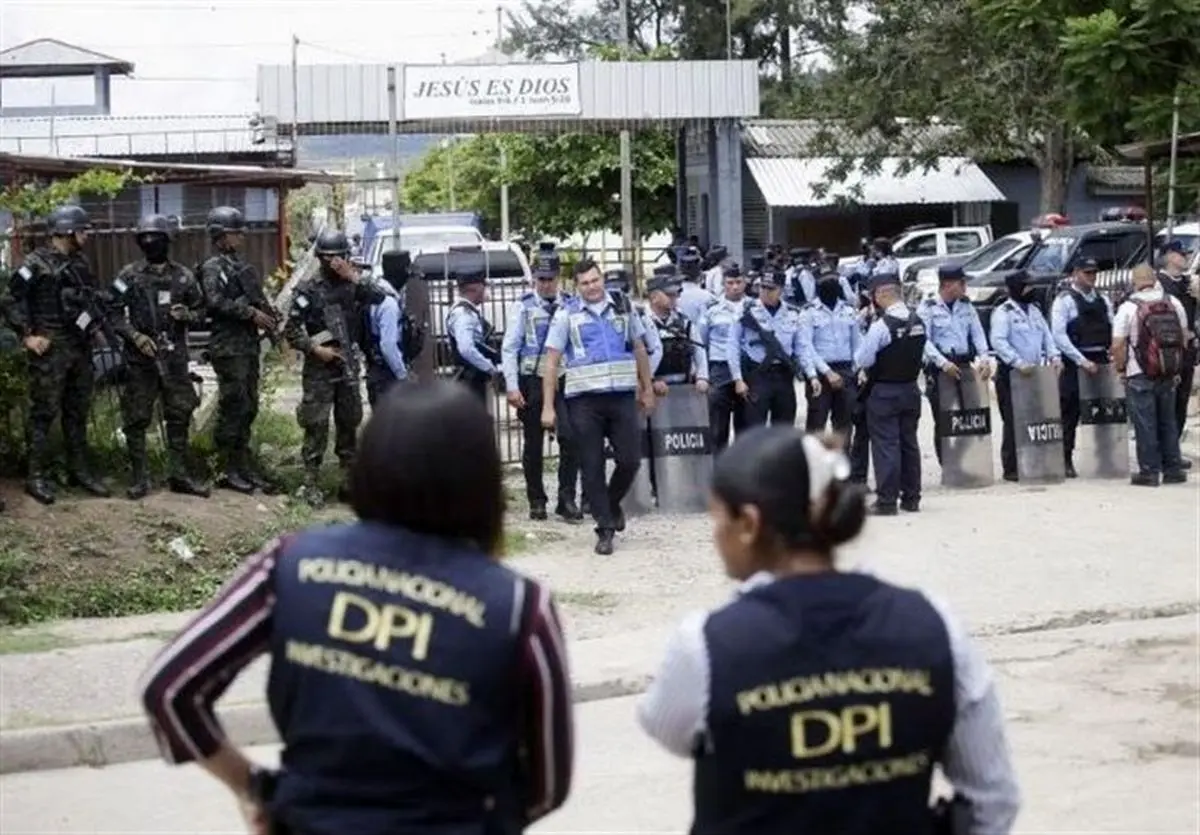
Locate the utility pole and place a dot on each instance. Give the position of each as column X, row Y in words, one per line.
column 1172, row 172
column 627, row 242
column 394, row 135
column 295, row 93
column 504, row 217
column 728, row 30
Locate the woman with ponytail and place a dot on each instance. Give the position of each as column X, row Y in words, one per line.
column 820, row 700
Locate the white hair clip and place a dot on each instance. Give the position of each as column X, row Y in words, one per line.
column 825, row 466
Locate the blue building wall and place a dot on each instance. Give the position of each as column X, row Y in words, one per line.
column 1021, row 184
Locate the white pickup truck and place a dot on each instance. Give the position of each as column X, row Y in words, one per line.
column 927, row 241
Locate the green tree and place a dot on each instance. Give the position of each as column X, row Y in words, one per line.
column 922, row 80
column 558, row 184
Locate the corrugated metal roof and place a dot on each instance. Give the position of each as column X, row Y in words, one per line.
column 1117, row 176
column 112, row 136
column 46, row 53
column 790, row 182
column 796, row 137
column 609, row 92
column 42, row 164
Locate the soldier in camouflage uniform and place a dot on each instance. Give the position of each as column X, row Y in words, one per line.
column 237, row 308
column 325, row 323
column 153, row 301
column 53, row 306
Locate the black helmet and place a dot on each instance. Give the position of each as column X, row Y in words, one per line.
column 331, row 242
column 154, row 225
column 224, row 219
column 66, row 220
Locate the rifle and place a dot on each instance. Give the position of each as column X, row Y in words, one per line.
column 162, row 340
column 81, row 306
column 488, row 347
column 253, row 296
column 774, row 351
column 337, row 334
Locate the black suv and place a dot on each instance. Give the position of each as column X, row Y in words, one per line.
column 1115, row 246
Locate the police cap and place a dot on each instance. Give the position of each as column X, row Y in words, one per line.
column 951, row 272
column 884, row 280
column 67, row 219
column 732, row 270
column 617, row 279
column 331, row 242
column 665, row 271
column 662, row 284
column 154, row 225
column 717, row 252
column 687, row 255
column 224, row 219
column 800, row 253
column 546, row 262
column 1175, row 245
column 770, row 280
column 1087, row 265
column 466, row 279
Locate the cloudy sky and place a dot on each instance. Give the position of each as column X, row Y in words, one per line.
column 196, row 58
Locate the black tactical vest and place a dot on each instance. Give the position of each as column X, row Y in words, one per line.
column 39, row 282
column 146, row 295
column 1091, row 329
column 327, row 298
column 230, row 336
column 393, row 684
column 676, row 336
column 831, row 699
column 901, row 360
column 1178, row 287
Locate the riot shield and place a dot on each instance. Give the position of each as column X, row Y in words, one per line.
column 1037, row 425
column 1102, row 438
column 681, row 450
column 640, row 499
column 965, row 424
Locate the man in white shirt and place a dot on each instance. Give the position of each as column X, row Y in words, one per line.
column 1145, row 335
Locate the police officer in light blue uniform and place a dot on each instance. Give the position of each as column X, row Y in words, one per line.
column 522, row 356
column 891, row 356
column 1082, row 323
column 1022, row 341
column 801, row 285
column 714, row 332
column 693, row 299
column 468, row 330
column 829, row 338
column 954, row 338
column 680, row 356
column 715, row 262
column 600, row 340
column 767, row 381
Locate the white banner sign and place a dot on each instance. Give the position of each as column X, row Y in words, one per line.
column 446, row 91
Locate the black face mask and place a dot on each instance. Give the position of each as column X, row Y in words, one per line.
column 154, row 248
column 1016, row 290
column 829, row 290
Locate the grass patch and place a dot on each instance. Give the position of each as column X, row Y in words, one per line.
column 16, row 643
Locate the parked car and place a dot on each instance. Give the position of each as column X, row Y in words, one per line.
column 926, row 240
column 921, row 280
column 1115, row 246
column 420, row 239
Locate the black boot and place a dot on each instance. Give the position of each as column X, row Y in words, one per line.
column 310, row 491
column 179, row 481
column 604, row 542
column 232, row 479
column 567, row 510
column 36, row 483
column 139, row 485
column 3, row 506
column 80, row 475
column 255, row 474
column 537, row 511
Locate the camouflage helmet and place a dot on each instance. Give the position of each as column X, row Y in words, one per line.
column 331, row 243
column 67, row 220
column 224, row 219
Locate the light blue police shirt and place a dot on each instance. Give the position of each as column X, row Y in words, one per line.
column 558, row 336
column 784, row 322
column 1063, row 312
column 693, row 301
column 1022, row 337
column 385, row 329
column 827, row 336
column 465, row 326
column 715, row 327
column 951, row 330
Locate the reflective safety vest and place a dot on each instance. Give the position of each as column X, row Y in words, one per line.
column 393, row 657
column 535, row 323
column 599, row 351
column 831, row 700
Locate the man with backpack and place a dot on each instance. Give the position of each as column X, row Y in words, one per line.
column 1149, row 344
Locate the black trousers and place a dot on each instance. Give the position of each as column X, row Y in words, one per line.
column 613, row 417
column 860, row 443
column 1008, row 432
column 724, row 405
column 772, row 396
column 1183, row 392
column 830, row 405
column 933, row 375
column 533, row 448
column 379, row 380
column 1068, row 401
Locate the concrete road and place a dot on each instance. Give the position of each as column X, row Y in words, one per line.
column 1102, row 721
